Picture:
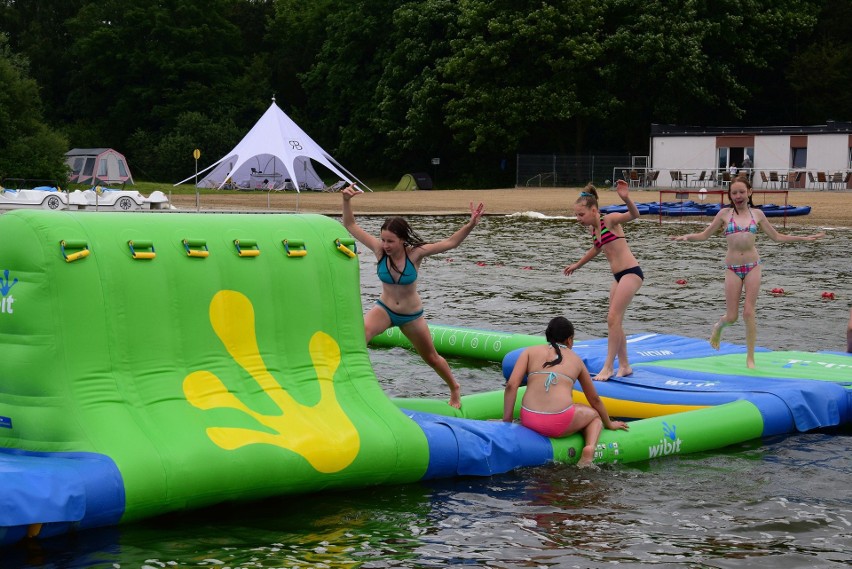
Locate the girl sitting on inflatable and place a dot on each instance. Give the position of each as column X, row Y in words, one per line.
column 548, row 406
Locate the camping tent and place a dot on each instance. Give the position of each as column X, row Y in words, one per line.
column 406, row 183
column 416, row 181
column 275, row 154
column 97, row 166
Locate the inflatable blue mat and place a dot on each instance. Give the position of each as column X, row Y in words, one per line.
column 461, row 447
column 692, row 208
column 640, row 348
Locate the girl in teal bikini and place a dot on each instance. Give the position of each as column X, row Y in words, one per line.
column 548, row 406
column 399, row 252
column 741, row 223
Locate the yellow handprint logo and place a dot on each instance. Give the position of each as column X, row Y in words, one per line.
column 322, row 434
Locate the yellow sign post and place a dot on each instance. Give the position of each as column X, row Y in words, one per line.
column 197, row 154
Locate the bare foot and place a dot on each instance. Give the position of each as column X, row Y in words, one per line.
column 624, row 371
column 750, row 363
column 716, row 335
column 455, row 396
column 587, row 457
column 604, row 374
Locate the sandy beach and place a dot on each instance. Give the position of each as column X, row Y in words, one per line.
column 829, row 208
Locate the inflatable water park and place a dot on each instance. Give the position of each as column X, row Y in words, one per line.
column 161, row 363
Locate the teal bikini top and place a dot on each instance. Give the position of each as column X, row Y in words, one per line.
column 552, row 377
column 408, row 276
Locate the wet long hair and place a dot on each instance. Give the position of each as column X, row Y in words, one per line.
column 558, row 330
column 400, row 227
column 744, row 180
column 588, row 196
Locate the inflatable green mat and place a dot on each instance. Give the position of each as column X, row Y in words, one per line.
column 209, row 357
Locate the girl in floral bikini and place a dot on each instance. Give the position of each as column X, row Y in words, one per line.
column 742, row 262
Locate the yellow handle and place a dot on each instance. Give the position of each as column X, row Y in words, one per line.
column 78, row 255
column 188, row 244
column 141, row 245
column 243, row 247
column 344, row 249
column 81, row 254
column 295, row 247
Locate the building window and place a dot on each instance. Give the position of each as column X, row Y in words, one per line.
column 722, row 163
column 798, row 157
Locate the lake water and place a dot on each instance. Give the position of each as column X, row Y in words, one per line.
column 782, row 502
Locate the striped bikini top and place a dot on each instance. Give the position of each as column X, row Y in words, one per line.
column 606, row 236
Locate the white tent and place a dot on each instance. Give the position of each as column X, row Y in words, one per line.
column 275, row 154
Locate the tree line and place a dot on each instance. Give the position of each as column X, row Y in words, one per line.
column 385, row 86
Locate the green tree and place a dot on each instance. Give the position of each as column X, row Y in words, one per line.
column 169, row 157
column 142, row 63
column 29, row 148
column 819, row 72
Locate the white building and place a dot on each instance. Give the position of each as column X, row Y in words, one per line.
column 798, row 152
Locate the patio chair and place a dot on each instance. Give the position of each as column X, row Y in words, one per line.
column 811, row 179
column 773, row 178
column 634, row 180
column 836, row 180
column 699, row 181
column 822, row 179
column 763, row 179
column 676, row 179
column 793, row 179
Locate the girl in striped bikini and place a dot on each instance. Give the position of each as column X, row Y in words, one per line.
column 609, row 238
column 742, row 262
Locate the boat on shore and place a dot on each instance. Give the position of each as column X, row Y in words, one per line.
column 47, row 194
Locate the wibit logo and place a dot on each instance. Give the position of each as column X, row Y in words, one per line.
column 6, row 300
column 669, row 444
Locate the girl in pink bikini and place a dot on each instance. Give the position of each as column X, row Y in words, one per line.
column 741, row 223
column 608, row 235
column 548, row 406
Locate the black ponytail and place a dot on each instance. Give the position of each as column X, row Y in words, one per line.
column 558, row 330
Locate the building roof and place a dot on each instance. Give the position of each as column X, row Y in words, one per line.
column 831, row 127
column 86, row 151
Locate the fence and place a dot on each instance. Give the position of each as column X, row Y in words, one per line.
column 565, row 170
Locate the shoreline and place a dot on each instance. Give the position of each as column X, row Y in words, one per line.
column 829, row 209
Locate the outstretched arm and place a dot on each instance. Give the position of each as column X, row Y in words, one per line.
column 773, row 233
column 352, row 226
column 456, row 238
column 714, row 226
column 632, row 212
column 590, row 254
